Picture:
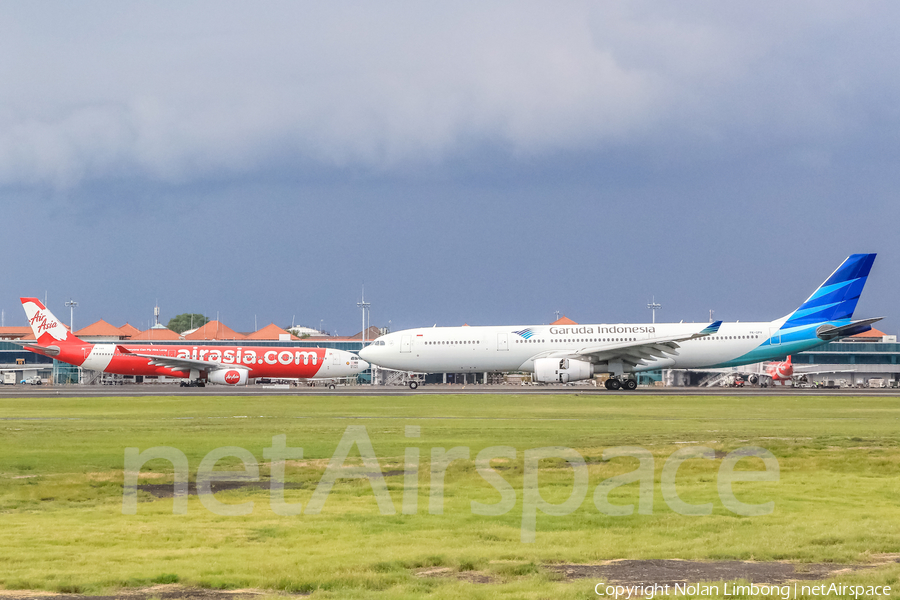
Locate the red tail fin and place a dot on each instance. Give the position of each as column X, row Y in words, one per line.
column 47, row 328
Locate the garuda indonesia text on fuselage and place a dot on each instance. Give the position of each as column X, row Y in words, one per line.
column 570, row 353
column 228, row 365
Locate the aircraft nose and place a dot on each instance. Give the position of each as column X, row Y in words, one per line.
column 363, row 365
column 366, row 352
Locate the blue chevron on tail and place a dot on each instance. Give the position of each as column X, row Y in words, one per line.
column 836, row 298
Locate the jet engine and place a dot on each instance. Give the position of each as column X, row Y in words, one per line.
column 562, row 370
column 229, row 376
column 753, row 378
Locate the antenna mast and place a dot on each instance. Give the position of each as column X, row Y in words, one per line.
column 653, row 306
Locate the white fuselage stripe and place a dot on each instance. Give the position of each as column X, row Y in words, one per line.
column 100, row 357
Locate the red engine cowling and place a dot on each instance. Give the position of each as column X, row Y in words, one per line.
column 229, row 376
column 562, row 370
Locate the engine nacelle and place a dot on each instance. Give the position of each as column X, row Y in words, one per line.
column 562, row 370
column 229, row 376
column 753, row 378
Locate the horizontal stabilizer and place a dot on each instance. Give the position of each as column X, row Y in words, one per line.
column 45, row 350
column 830, row 332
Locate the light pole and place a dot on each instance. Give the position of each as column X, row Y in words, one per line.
column 365, row 308
column 653, row 306
column 71, row 304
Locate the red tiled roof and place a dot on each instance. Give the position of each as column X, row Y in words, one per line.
column 564, row 320
column 161, row 334
column 214, row 330
column 269, row 332
column 371, row 333
column 872, row 333
column 16, row 333
column 100, row 328
column 129, row 330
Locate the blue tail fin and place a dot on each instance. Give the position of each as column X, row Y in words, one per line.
column 836, row 298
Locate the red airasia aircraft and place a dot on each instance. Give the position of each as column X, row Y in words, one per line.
column 776, row 371
column 781, row 371
column 228, row 365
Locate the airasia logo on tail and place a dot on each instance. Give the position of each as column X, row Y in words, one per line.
column 42, row 320
column 232, row 377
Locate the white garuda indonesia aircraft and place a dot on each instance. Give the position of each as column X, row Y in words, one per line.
column 559, row 354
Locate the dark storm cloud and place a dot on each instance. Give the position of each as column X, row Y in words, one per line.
column 457, row 158
column 178, row 92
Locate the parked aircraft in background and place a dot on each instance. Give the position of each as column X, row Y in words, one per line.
column 227, row 365
column 785, row 374
column 773, row 372
column 573, row 352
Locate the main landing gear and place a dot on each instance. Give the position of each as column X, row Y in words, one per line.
column 615, row 383
column 193, row 383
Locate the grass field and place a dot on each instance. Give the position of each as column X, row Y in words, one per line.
column 837, row 498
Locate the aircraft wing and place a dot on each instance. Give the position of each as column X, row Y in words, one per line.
column 802, row 373
column 635, row 352
column 181, row 364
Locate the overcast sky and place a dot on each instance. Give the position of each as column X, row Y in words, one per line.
column 481, row 163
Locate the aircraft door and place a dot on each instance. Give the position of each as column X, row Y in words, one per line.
column 335, row 358
column 406, row 343
column 502, row 341
column 774, row 336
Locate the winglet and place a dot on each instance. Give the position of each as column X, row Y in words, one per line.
column 711, row 328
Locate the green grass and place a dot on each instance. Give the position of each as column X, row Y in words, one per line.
column 61, row 474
